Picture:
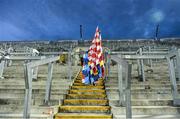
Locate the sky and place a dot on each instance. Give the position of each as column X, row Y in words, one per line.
column 61, row 19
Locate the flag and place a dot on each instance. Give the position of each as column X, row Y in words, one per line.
column 95, row 60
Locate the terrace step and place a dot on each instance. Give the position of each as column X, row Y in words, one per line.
column 149, row 110
column 164, row 116
column 87, row 91
column 101, row 102
column 85, row 109
column 145, row 102
column 87, row 87
column 86, row 96
column 82, row 116
column 85, row 101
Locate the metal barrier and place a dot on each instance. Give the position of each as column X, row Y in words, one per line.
column 140, row 63
column 173, row 59
column 31, row 71
column 174, row 66
column 124, row 84
column 4, row 59
column 2, row 63
column 29, row 76
column 28, row 82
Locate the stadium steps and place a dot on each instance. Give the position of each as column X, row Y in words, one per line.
column 151, row 99
column 85, row 101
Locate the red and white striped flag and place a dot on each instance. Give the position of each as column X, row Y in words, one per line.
column 96, row 54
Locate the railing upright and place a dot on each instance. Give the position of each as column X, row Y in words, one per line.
column 124, row 84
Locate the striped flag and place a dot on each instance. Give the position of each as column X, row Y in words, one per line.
column 96, row 58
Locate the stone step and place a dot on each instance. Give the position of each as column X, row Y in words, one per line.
column 20, row 70
column 111, row 89
column 85, row 96
column 36, row 86
column 33, row 87
column 157, row 96
column 95, row 102
column 157, row 81
column 82, row 116
column 38, row 96
column 147, row 110
column 20, row 116
column 145, row 86
column 38, row 82
column 145, row 102
column 21, row 77
column 81, row 84
column 161, row 116
column 141, row 85
column 87, row 91
column 87, row 87
column 11, row 109
column 85, row 109
column 20, row 101
column 34, row 91
column 79, row 81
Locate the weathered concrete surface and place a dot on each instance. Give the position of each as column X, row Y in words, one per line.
column 149, row 99
column 12, row 90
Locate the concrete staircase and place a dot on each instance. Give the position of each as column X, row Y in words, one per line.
column 85, row 101
column 12, row 91
column 151, row 99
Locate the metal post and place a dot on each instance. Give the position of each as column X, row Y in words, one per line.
column 2, row 69
column 178, row 63
column 128, row 92
column 106, row 65
column 35, row 73
column 81, row 33
column 172, row 77
column 120, row 85
column 109, row 63
column 48, row 83
column 141, row 66
column 9, row 62
column 28, row 92
column 69, row 66
column 150, row 61
column 157, row 31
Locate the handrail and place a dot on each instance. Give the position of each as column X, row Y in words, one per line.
column 28, row 81
column 124, row 74
column 173, row 59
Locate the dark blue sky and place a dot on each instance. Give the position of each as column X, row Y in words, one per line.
column 60, row 19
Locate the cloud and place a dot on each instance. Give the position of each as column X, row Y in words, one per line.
column 10, row 32
column 57, row 19
column 157, row 16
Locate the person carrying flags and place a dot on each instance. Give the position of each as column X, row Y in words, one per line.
column 93, row 61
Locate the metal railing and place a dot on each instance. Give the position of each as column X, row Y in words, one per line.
column 29, row 76
column 28, row 82
column 124, row 84
column 173, row 60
